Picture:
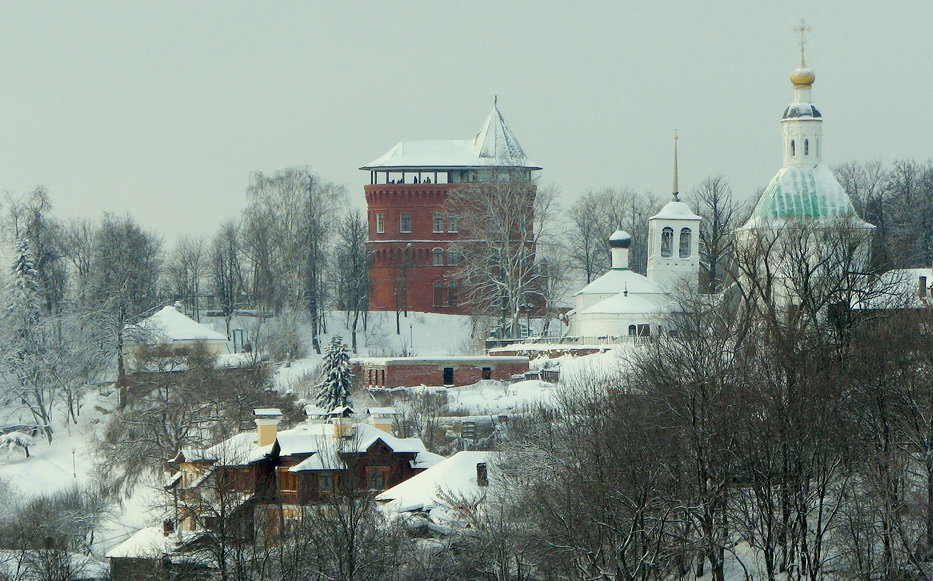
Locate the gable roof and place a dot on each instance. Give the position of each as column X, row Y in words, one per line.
column 169, row 325
column 449, row 480
column 325, row 450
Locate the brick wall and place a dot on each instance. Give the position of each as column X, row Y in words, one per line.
column 432, row 373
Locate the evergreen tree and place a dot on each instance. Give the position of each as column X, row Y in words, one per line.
column 334, row 389
column 22, row 345
column 24, row 303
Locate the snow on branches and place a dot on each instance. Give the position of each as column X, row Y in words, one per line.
column 334, row 389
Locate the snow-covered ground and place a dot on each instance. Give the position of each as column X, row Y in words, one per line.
column 69, row 461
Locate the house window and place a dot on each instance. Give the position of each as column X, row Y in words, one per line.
column 437, row 257
column 487, row 373
column 325, row 482
column 684, row 242
column 380, row 223
column 643, row 330
column 448, row 376
column 453, row 296
column 667, row 242
column 288, row 481
column 438, row 223
column 376, row 477
column 793, row 148
column 632, row 330
column 452, row 257
column 438, row 294
column 453, row 223
column 806, row 147
column 405, row 223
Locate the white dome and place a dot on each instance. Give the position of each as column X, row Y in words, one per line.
column 622, row 304
column 616, row 281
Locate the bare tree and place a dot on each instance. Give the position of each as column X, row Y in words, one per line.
column 352, row 271
column 713, row 201
column 185, row 271
column 124, row 281
column 595, row 216
column 288, row 230
column 225, row 270
column 504, row 223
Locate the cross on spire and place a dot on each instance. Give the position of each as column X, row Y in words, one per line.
column 802, row 29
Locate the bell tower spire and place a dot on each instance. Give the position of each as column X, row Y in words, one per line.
column 802, row 122
column 676, row 188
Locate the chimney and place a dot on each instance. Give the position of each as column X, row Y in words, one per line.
column 619, row 244
column 482, row 476
column 922, row 291
column 267, row 422
column 168, row 527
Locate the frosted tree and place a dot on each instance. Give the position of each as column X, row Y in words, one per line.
column 334, row 388
column 24, row 290
column 17, row 440
column 22, row 344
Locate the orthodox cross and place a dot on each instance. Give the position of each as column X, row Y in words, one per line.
column 802, row 29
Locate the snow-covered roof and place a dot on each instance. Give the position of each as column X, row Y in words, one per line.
column 900, row 288
column 451, row 480
column 803, row 193
column 234, row 451
column 675, row 210
column 315, row 439
column 618, row 280
column 622, row 304
column 494, row 146
column 169, row 325
column 146, row 542
column 319, row 440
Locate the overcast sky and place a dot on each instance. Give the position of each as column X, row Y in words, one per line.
column 162, row 109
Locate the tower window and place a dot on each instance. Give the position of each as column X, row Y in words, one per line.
column 438, row 294
column 685, row 242
column 806, row 147
column 632, row 330
column 380, row 223
column 437, row 257
column 667, row 243
column 452, row 257
column 438, row 223
column 793, row 148
column 452, row 223
column 453, row 296
column 405, row 223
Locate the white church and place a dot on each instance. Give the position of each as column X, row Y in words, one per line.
column 622, row 303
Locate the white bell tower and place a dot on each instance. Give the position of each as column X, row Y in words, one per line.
column 802, row 122
column 673, row 242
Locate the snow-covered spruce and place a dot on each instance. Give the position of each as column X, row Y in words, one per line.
column 334, row 389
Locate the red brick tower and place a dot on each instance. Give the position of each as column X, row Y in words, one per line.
column 410, row 230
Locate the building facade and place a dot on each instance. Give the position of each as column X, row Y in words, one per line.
column 412, row 230
column 452, row 371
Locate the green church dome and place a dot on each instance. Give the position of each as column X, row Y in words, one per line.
column 797, row 193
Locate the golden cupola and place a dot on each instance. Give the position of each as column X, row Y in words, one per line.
column 802, row 76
